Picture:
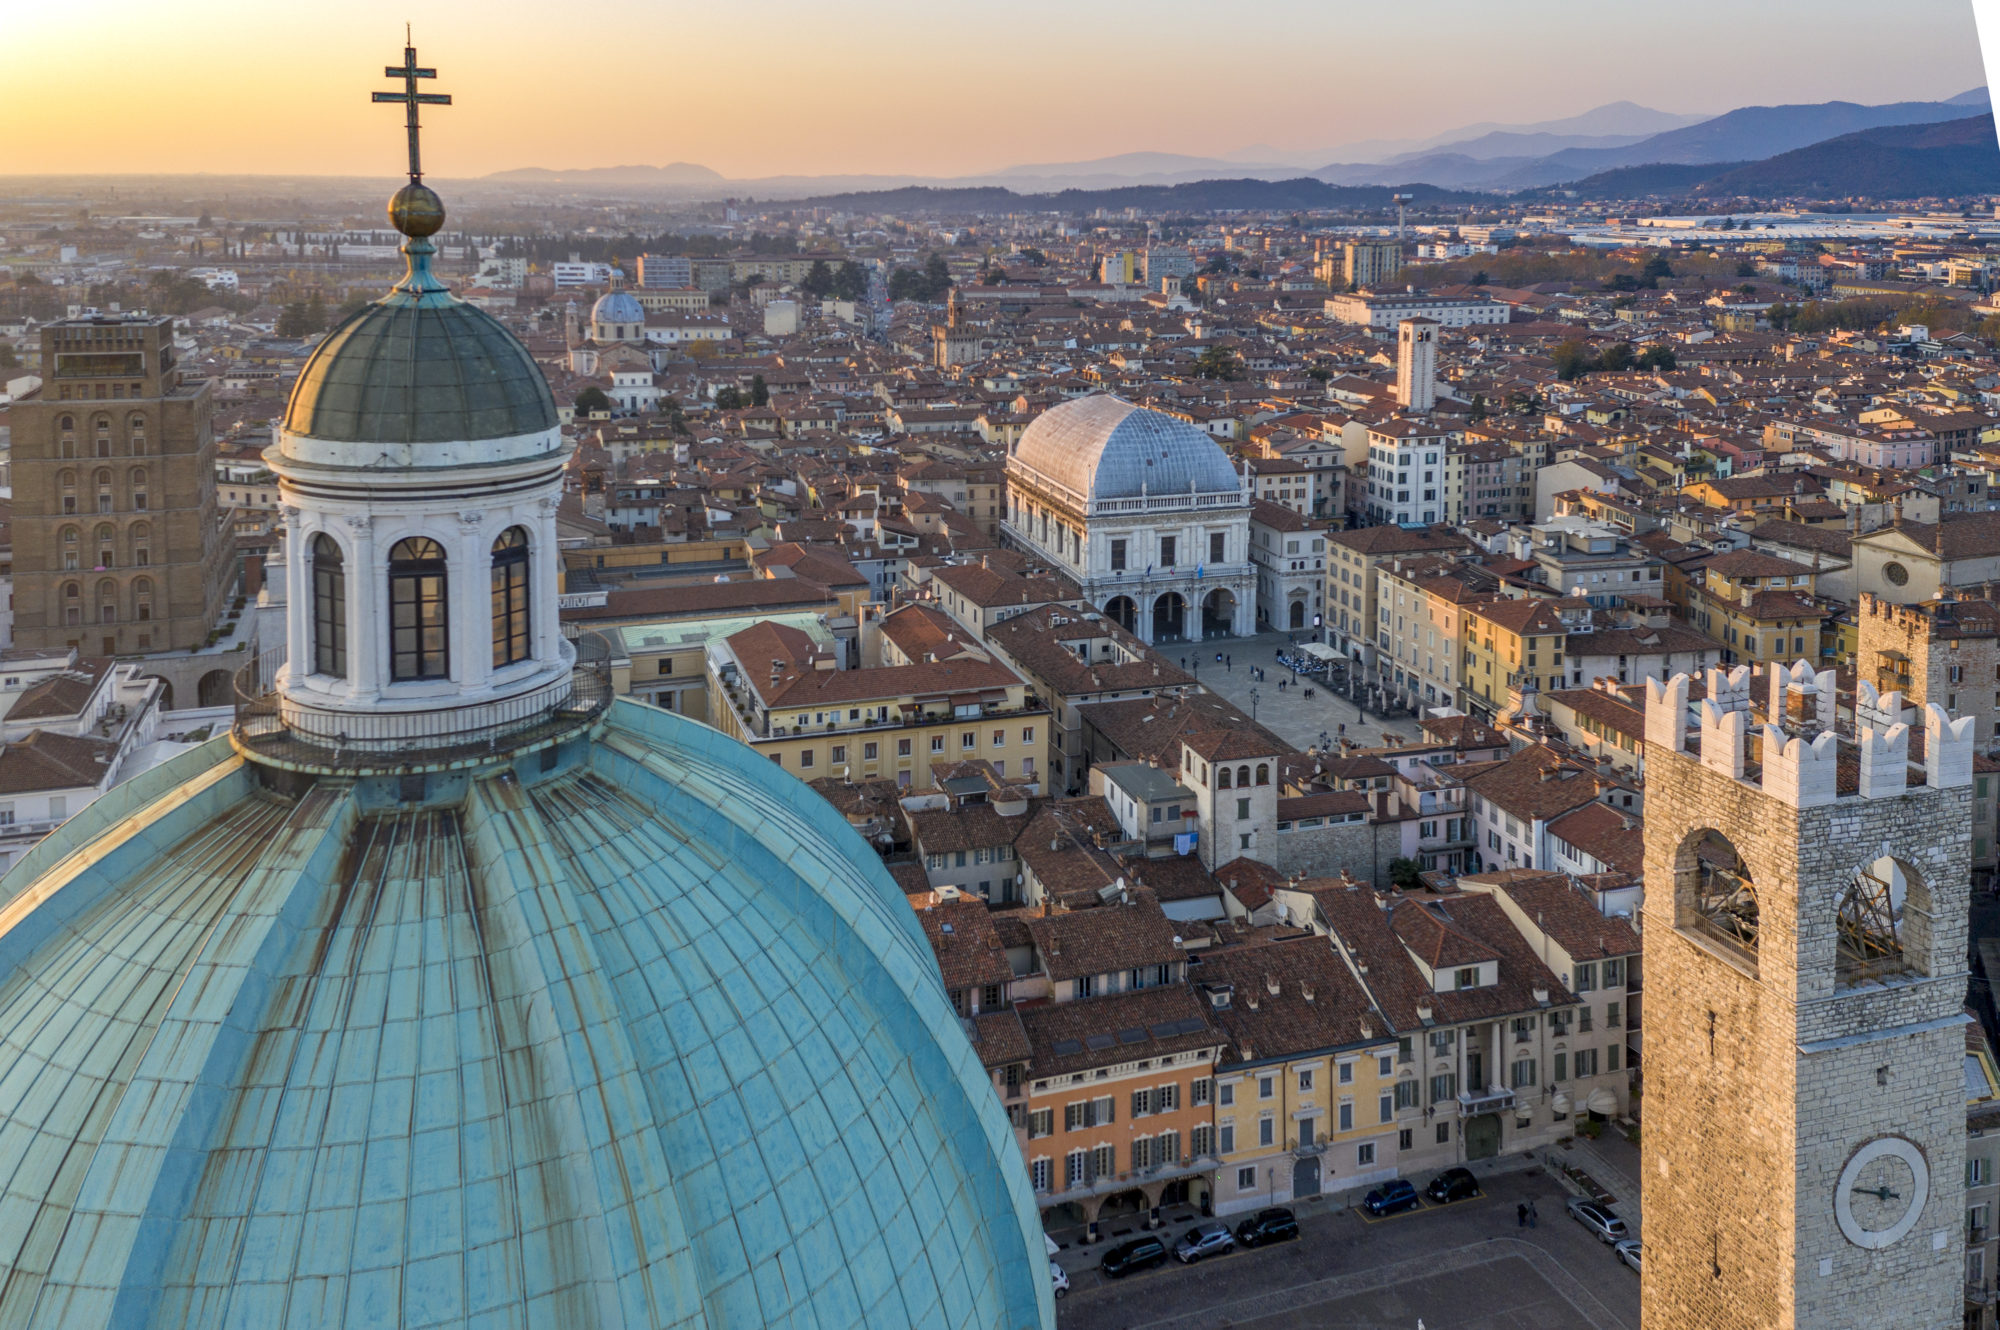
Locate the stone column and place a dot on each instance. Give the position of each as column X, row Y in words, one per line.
column 298, row 594
column 367, row 610
column 471, row 604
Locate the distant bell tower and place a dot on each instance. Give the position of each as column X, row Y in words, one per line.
column 1416, row 364
column 1805, row 925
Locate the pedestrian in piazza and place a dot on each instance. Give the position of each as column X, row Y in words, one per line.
column 1521, row 1215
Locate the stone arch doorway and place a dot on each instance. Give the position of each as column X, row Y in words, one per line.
column 1132, row 1202
column 1121, row 611
column 214, row 689
column 1305, row 1177
column 1218, row 613
column 166, row 693
column 1298, row 615
column 1482, row 1136
column 1170, row 618
column 1069, row 1214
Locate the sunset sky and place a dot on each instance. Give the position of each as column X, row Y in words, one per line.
column 764, row 87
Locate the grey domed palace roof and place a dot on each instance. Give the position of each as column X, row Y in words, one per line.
column 1103, row 447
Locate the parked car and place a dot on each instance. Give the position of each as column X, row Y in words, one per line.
column 1138, row 1254
column 1274, row 1225
column 1628, row 1251
column 1599, row 1220
column 1390, row 1197
column 1454, row 1184
column 1209, row 1238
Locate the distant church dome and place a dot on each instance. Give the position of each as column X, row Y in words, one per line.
column 445, row 990
column 1105, row 447
column 615, row 307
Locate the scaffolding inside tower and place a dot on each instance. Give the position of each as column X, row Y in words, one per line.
column 1868, row 942
column 1725, row 899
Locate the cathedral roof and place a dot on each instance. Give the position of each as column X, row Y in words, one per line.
column 420, row 366
column 649, row 1039
column 1104, row 447
column 617, row 307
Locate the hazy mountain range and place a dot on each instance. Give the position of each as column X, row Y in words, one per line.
column 1481, row 158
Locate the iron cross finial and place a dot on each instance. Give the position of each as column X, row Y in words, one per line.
column 410, row 72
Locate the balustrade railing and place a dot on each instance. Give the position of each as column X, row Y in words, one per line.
column 434, row 736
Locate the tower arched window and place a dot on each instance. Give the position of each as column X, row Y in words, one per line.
column 142, row 544
column 107, row 554
column 72, row 604
column 66, row 436
column 1223, row 783
column 139, row 489
column 137, row 429
column 329, row 607
column 142, row 597
column 1243, row 778
column 510, row 597
column 1263, row 773
column 103, row 431
column 66, row 485
column 103, row 479
column 419, row 634
column 107, row 601
column 71, row 544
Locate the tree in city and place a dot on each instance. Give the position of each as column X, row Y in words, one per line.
column 1035, row 257
column 1405, row 874
column 850, row 281
column 1658, row 356
column 1615, row 358
column 1218, row 362
column 818, row 280
column 1656, row 268
column 1573, row 359
column 591, row 401
column 759, row 394
column 729, row 398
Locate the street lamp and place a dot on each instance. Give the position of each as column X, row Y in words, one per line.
column 1253, row 704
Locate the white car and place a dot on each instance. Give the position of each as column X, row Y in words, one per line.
column 1061, row 1278
column 1608, row 1227
column 1628, row 1251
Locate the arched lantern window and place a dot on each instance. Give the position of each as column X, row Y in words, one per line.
column 329, row 607
column 419, row 633
column 510, row 597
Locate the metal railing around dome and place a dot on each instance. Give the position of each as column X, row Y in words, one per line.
column 420, row 740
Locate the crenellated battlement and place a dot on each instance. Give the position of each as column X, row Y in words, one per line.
column 1794, row 752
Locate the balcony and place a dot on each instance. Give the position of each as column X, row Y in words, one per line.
column 419, row 741
column 1491, row 1100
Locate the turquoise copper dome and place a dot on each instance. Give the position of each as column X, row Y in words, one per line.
column 419, row 366
column 646, row 1038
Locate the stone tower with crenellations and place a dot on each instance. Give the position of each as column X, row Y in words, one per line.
column 1805, row 925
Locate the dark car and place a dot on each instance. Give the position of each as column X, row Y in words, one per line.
column 1138, row 1254
column 1274, row 1225
column 1390, row 1197
column 1454, row 1184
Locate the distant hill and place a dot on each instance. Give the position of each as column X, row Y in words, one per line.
column 1893, row 162
column 1747, row 134
column 1889, row 162
column 1195, row 196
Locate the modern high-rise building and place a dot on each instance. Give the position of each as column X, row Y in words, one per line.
column 1416, row 364
column 665, row 272
column 1370, row 263
column 116, row 543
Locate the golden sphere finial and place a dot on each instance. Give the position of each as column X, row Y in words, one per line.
column 416, row 210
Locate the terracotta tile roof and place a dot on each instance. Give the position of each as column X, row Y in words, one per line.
column 1605, row 834
column 968, row 949
column 1068, row 1037
column 1535, row 784
column 48, row 760
column 1567, row 915
column 1075, row 943
column 1287, row 998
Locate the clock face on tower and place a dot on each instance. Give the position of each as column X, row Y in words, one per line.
column 1881, row 1192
